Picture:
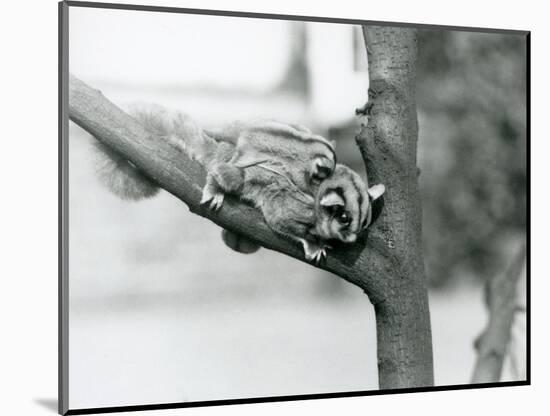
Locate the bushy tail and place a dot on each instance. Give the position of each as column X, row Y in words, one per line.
column 120, row 175
column 124, row 179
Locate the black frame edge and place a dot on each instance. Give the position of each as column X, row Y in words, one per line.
column 63, row 283
column 165, row 406
column 528, row 202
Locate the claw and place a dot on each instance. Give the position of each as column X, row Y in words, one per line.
column 318, row 257
column 216, row 202
column 322, row 255
column 314, row 252
column 215, row 199
column 205, row 199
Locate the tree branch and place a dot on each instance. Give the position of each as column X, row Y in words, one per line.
column 364, row 264
column 501, row 299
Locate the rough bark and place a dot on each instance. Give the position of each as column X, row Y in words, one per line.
column 387, row 141
column 501, row 299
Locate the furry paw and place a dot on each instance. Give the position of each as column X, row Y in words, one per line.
column 215, row 199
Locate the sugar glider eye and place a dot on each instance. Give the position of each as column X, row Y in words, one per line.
column 344, row 218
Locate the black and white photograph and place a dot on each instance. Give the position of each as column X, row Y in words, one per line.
column 265, row 207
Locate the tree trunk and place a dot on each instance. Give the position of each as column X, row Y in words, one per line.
column 388, row 142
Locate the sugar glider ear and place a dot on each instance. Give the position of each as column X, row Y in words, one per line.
column 376, row 191
column 331, row 199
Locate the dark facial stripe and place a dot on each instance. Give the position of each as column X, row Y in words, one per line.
column 364, row 224
column 358, row 190
column 339, row 191
column 286, row 130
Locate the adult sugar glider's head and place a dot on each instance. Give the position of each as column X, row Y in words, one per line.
column 343, row 205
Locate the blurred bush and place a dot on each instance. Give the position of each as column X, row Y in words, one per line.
column 472, row 150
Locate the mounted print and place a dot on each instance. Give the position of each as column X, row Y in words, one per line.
column 264, row 207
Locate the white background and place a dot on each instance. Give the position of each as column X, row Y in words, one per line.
column 28, row 356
